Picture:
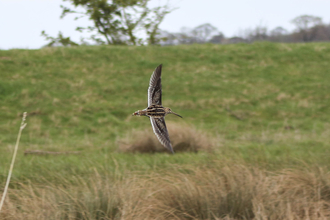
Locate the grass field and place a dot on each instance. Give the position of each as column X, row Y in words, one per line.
column 262, row 108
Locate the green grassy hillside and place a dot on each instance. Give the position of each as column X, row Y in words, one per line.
column 264, row 104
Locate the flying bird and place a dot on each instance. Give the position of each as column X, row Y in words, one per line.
column 155, row 111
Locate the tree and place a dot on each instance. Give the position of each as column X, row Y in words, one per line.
column 304, row 24
column 200, row 34
column 278, row 31
column 58, row 41
column 279, row 34
column 217, row 39
column 166, row 38
column 259, row 33
column 119, row 21
column 204, row 32
column 152, row 24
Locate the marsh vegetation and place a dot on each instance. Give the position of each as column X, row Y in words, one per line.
column 255, row 132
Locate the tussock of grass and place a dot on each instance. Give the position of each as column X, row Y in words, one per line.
column 228, row 191
column 184, row 138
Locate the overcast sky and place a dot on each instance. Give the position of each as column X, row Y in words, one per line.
column 21, row 21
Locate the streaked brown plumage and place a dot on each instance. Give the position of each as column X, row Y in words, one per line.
column 155, row 111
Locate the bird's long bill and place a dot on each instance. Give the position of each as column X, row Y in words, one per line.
column 176, row 114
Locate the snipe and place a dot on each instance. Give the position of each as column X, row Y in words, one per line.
column 155, row 111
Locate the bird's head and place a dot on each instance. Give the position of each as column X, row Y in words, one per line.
column 169, row 111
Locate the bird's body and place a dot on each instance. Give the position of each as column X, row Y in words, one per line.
column 155, row 111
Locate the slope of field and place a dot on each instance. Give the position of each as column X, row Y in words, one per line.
column 264, row 105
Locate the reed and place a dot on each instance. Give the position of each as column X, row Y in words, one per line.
column 23, row 124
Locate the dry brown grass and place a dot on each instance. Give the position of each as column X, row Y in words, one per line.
column 184, row 138
column 223, row 191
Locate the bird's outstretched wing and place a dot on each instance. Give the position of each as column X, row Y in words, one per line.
column 155, row 87
column 160, row 130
